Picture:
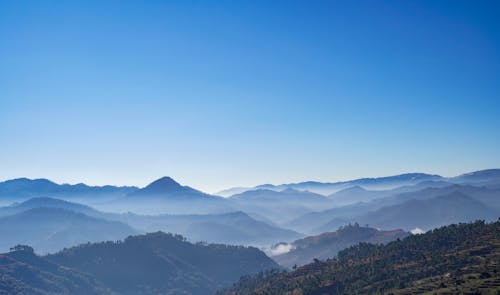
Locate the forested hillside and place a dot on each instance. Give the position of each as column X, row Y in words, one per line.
column 23, row 272
column 155, row 263
column 455, row 259
column 328, row 244
column 159, row 263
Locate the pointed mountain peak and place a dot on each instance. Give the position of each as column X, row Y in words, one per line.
column 167, row 187
column 163, row 183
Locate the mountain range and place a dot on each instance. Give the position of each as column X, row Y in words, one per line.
column 50, row 224
column 294, row 224
column 259, row 217
column 328, row 188
column 23, row 188
column 51, row 229
column 424, row 208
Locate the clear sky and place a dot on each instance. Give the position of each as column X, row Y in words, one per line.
column 236, row 93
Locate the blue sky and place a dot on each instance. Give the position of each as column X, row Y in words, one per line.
column 237, row 93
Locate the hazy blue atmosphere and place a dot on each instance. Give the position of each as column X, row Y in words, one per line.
column 243, row 93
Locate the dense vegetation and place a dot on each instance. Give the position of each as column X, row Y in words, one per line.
column 160, row 263
column 155, row 263
column 22, row 272
column 327, row 245
column 455, row 259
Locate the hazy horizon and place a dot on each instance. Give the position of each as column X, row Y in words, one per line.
column 240, row 186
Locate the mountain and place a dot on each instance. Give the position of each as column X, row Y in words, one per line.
column 489, row 177
column 45, row 202
column 290, row 195
column 279, row 206
column 487, row 196
column 165, row 195
column 327, row 245
column 233, row 191
column 485, row 177
column 422, row 214
column 23, row 272
column 331, row 219
column 457, row 259
column 235, row 228
column 52, row 229
column 160, row 263
column 167, row 188
column 311, row 222
column 430, row 213
column 356, row 194
column 328, row 188
column 23, row 188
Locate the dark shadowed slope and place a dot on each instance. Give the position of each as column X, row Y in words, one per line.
column 457, row 259
column 22, row 272
column 327, row 245
column 161, row 263
column 52, row 229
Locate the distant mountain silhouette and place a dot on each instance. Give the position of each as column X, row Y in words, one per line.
column 166, row 186
column 23, row 188
column 328, row 188
column 165, row 195
column 330, row 219
column 235, row 228
column 487, row 196
column 169, row 189
column 288, row 194
column 356, row 194
column 489, row 177
column 327, row 245
column 45, row 202
column 279, row 206
column 159, row 263
column 232, row 191
column 430, row 213
column 52, row 229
